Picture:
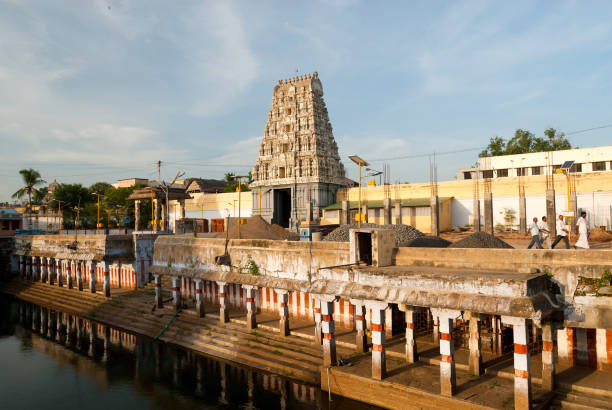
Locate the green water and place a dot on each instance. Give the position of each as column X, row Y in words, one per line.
column 43, row 368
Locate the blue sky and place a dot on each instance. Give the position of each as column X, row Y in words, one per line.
column 100, row 90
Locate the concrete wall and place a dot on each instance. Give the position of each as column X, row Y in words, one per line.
column 89, row 247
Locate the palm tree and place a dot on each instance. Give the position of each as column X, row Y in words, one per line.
column 31, row 179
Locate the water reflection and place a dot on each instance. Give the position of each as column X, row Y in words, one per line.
column 119, row 369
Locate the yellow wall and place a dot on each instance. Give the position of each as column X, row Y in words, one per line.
column 586, row 182
column 219, row 201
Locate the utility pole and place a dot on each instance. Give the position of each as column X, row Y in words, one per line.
column 158, row 172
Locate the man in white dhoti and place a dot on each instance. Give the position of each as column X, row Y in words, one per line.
column 583, row 232
column 544, row 231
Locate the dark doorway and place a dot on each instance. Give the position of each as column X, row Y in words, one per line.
column 282, row 207
column 364, row 244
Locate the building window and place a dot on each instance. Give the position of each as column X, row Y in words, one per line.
column 281, row 172
column 521, row 172
column 285, row 147
column 288, row 111
column 576, row 168
column 422, row 211
column 536, row 170
column 287, row 127
column 502, row 173
column 599, row 166
column 467, row 175
column 487, row 174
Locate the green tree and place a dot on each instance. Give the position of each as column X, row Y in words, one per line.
column 99, row 187
column 232, row 183
column 117, row 206
column 31, row 179
column 524, row 142
column 39, row 194
column 74, row 198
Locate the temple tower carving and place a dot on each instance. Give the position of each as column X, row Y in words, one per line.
column 298, row 162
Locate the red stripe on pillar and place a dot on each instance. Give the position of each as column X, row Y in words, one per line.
column 326, row 318
column 446, row 336
column 521, row 374
column 377, row 348
column 547, row 346
column 409, row 325
column 571, row 345
column 446, row 358
column 249, row 300
column 520, row 349
column 199, row 291
column 359, row 317
column 328, row 336
column 375, row 327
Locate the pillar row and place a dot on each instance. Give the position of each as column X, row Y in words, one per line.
column 548, row 357
column 79, row 274
column 283, row 310
column 176, row 292
column 107, row 290
column 361, row 339
column 43, row 269
column 379, row 365
column 50, row 271
column 411, row 347
column 327, row 329
column 251, row 318
column 448, row 378
column 159, row 302
column 199, row 298
column 475, row 344
column 522, row 373
column 93, row 269
column 223, row 299
column 58, row 272
column 69, row 274
column 34, row 268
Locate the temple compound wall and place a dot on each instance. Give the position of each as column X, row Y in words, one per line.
column 298, row 162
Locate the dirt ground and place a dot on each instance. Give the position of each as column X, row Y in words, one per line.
column 599, row 239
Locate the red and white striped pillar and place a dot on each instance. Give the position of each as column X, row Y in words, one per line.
column 58, row 272
column 199, row 296
column 283, row 310
column 411, row 347
column 79, row 275
column 475, row 344
column 176, row 292
column 522, row 373
column 223, row 299
column 43, row 269
column 448, row 378
column 28, row 269
column 34, row 268
column 379, row 365
column 69, row 274
column 317, row 317
column 251, row 318
column 361, row 339
column 92, row 276
column 548, row 356
column 50, row 271
column 159, row 302
column 21, row 266
column 327, row 329
column 107, row 290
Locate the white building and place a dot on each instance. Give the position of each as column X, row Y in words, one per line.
column 593, row 159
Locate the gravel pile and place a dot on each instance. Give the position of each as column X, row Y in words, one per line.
column 480, row 240
column 403, row 233
column 257, row 228
column 429, row 242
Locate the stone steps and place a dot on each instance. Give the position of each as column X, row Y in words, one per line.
column 578, row 401
column 263, row 349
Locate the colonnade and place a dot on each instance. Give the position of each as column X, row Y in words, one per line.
column 55, row 270
column 443, row 325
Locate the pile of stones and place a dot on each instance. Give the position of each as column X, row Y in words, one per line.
column 429, row 242
column 404, row 234
column 480, row 240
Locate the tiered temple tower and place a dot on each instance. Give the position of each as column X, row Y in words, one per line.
column 298, row 160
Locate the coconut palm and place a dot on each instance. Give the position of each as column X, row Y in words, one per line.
column 31, row 179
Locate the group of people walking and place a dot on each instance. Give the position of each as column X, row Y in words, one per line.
column 540, row 232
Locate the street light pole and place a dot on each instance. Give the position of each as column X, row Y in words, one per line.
column 239, row 177
column 360, row 162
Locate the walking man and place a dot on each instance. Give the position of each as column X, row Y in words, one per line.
column 544, row 232
column 535, row 234
column 561, row 233
column 583, row 232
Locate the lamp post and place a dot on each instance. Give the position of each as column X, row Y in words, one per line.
column 360, row 162
column 165, row 188
column 239, row 178
column 98, row 224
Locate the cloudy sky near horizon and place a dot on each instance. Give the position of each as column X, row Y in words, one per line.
column 100, row 90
